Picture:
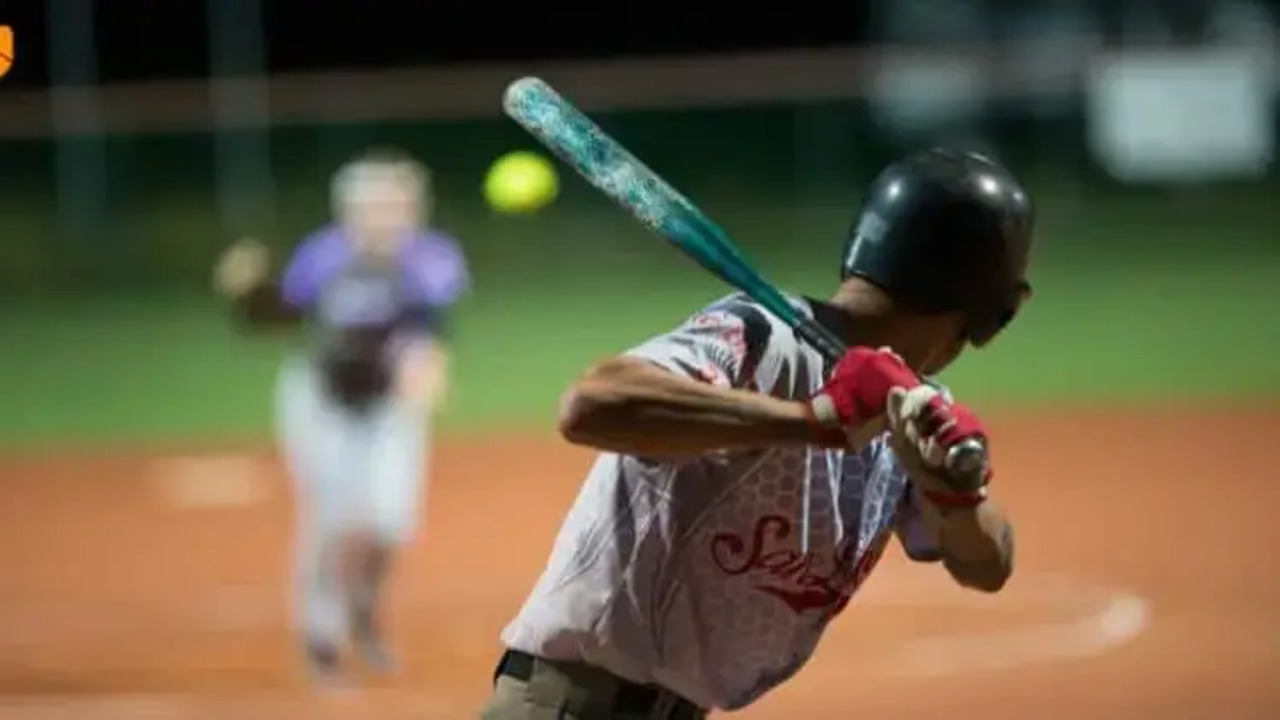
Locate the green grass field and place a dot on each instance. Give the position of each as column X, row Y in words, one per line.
column 174, row 367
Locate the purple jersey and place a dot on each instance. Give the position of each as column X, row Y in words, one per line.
column 368, row 310
column 430, row 271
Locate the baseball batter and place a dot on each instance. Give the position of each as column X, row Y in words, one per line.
column 354, row 404
column 745, row 491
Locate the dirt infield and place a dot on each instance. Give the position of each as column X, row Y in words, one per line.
column 157, row 587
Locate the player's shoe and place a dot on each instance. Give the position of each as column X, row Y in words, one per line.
column 323, row 663
column 367, row 642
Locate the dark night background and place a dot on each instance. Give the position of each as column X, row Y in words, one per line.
column 144, row 40
column 148, row 40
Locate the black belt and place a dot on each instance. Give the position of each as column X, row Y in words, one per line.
column 629, row 699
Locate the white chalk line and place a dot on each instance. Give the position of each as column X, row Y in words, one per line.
column 1122, row 620
column 1083, row 620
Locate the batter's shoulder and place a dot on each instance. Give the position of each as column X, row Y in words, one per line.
column 755, row 318
column 740, row 307
column 772, row 357
column 757, row 324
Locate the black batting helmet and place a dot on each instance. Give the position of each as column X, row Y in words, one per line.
column 946, row 230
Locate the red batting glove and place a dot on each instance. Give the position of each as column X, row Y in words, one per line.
column 941, row 425
column 857, row 390
column 949, row 423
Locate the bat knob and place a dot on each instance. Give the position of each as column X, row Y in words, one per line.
column 967, row 462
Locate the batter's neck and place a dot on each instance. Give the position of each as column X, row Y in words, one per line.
column 865, row 324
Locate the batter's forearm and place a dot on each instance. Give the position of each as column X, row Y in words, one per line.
column 977, row 545
column 633, row 407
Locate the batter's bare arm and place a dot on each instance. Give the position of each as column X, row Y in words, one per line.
column 969, row 532
column 628, row 405
column 976, row 543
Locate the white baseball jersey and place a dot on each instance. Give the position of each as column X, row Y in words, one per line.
column 715, row 575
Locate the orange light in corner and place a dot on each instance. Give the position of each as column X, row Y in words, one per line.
column 6, row 49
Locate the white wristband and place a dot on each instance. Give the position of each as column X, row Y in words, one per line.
column 824, row 410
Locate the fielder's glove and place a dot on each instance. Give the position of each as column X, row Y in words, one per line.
column 356, row 382
column 356, row 370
